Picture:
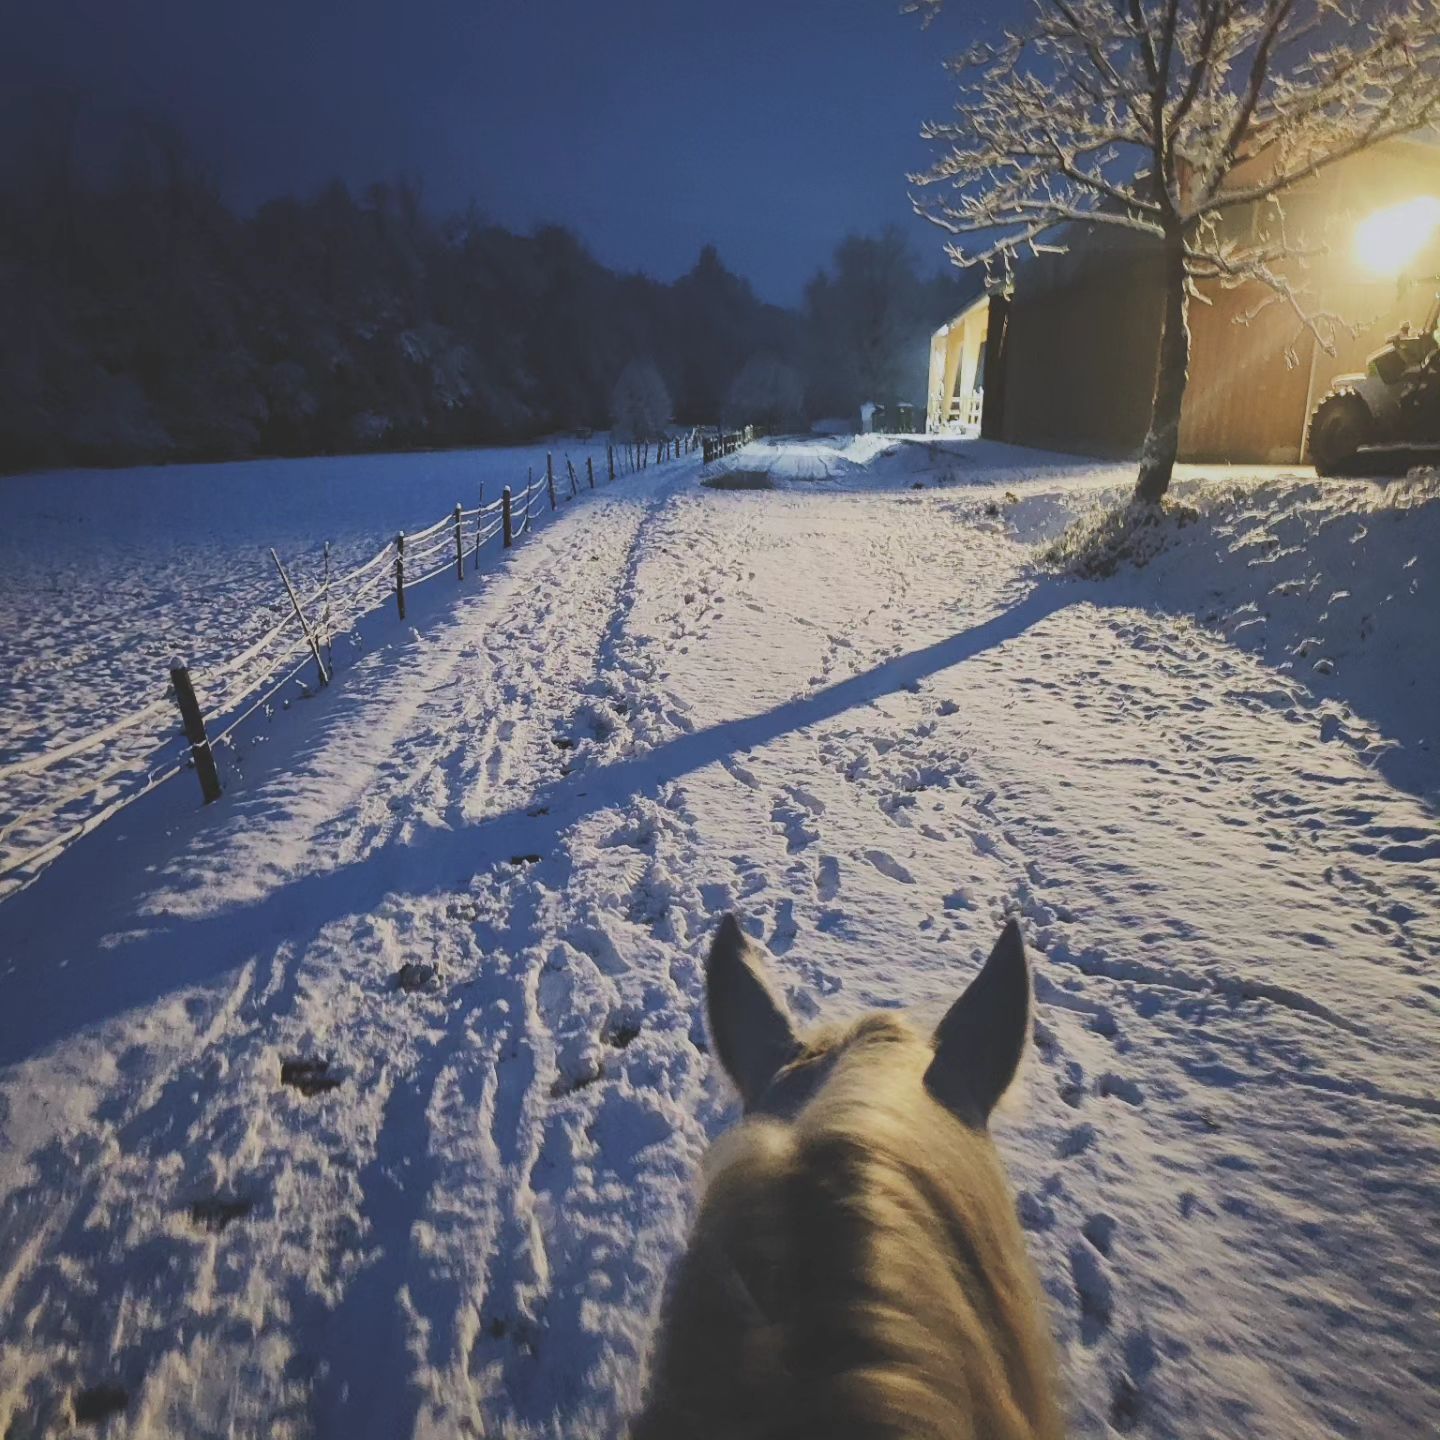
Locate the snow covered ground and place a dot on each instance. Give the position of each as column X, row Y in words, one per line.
column 106, row 575
column 860, row 713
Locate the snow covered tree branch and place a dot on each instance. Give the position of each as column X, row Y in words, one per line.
column 1164, row 118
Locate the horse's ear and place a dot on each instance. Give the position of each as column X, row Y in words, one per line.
column 980, row 1042
column 751, row 1028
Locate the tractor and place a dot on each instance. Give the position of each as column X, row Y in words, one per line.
column 1394, row 406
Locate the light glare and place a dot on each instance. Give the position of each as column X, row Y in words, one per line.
column 1390, row 239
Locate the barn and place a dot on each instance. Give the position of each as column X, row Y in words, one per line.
column 1065, row 357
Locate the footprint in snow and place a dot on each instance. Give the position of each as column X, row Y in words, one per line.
column 1094, row 1291
column 801, row 796
column 1076, row 1140
column 792, row 822
column 782, row 937
column 1103, row 1022
column 1127, row 1396
column 1072, row 1085
column 1099, row 1230
column 827, row 878
column 744, row 776
column 1035, row 1212
column 621, row 1031
column 889, row 866
column 1121, row 1088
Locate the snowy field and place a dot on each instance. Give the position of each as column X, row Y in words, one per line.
column 107, row 574
column 859, row 712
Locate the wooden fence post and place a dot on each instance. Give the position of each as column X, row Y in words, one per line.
column 590, row 471
column 505, row 517
column 194, row 722
column 310, row 639
column 459, row 546
column 610, row 460
column 400, row 573
column 479, row 526
column 550, row 483
column 574, row 483
column 329, row 634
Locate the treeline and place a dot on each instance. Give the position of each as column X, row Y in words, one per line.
column 143, row 321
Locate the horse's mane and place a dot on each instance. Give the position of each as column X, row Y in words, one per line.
column 859, row 1273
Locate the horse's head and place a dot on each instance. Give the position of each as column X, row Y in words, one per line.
column 965, row 1066
column 857, row 1267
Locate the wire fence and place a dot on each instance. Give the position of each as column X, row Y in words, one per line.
column 70, row 789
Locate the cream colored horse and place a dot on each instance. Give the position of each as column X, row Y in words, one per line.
column 857, row 1269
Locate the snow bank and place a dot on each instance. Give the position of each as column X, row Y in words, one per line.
column 897, row 462
column 1333, row 583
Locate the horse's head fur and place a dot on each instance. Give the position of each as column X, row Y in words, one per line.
column 857, row 1268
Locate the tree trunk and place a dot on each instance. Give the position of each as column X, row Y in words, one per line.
column 1157, row 459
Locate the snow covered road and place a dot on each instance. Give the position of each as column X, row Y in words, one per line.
column 864, row 720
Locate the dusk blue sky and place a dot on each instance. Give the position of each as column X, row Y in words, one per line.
column 771, row 127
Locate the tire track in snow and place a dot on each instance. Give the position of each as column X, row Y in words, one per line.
column 505, row 1295
column 389, row 1073
column 618, row 952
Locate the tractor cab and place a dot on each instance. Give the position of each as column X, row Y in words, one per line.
column 1407, row 348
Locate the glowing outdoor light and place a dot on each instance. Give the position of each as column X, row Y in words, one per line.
column 1389, row 240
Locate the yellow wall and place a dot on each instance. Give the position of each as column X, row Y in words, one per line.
column 955, row 351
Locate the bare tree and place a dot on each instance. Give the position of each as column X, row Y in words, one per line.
column 1167, row 117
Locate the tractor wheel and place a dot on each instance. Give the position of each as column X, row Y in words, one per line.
column 1338, row 428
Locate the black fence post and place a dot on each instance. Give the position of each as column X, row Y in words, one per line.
column 400, row 573
column 505, row 516
column 194, row 722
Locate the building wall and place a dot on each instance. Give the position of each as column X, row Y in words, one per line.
column 1083, row 333
column 1247, row 399
column 1084, row 329
column 1255, row 378
column 955, row 355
